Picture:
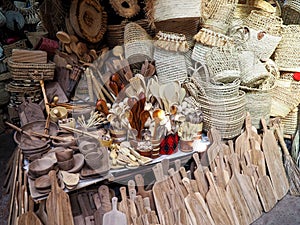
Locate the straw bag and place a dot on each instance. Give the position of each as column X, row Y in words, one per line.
column 222, row 63
column 291, row 12
column 287, row 53
column 138, row 44
column 261, row 43
column 253, row 72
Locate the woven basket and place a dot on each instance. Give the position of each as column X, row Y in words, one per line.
column 223, row 64
column 138, row 43
column 31, row 71
column 263, row 21
column 253, row 72
column 287, row 53
column 170, row 66
column 211, row 38
column 290, row 122
column 199, row 52
column 291, row 12
column 161, row 10
column 7, row 49
column 261, row 43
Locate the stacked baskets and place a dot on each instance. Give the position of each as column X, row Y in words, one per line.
column 291, row 12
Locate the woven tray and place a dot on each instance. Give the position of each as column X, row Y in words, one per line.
column 31, row 71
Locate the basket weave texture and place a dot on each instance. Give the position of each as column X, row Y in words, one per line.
column 291, row 12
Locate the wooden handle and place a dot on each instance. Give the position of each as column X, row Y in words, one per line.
column 197, row 160
column 114, row 203
column 140, row 204
column 131, row 185
column 123, row 194
column 281, row 141
column 132, row 194
column 183, row 172
column 165, row 166
column 147, row 204
column 177, row 164
column 45, row 96
column 139, row 182
column 156, row 173
column 30, row 204
column 231, row 147
column 210, row 178
column 234, row 163
column 54, row 185
column 171, row 171
column 248, row 123
column 264, row 124
column 186, row 183
column 160, row 171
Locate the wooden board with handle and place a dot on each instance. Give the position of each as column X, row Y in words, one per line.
column 103, row 192
column 114, row 217
column 141, row 190
column 197, row 208
column 199, row 175
column 215, row 199
column 274, row 162
column 58, row 204
column 29, row 218
column 123, row 205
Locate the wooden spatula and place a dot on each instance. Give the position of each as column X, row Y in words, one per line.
column 274, row 162
column 199, row 175
column 114, row 217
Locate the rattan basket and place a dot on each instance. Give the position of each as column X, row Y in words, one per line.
column 222, row 63
column 138, row 43
column 291, row 12
column 31, row 71
column 199, row 52
column 170, row 66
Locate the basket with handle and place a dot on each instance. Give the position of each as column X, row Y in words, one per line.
column 31, row 71
column 138, row 43
column 291, row 12
column 222, row 63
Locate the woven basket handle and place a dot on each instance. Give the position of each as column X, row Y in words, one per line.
column 193, row 71
column 239, row 34
column 35, row 75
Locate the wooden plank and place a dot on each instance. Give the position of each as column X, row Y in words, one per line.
column 29, row 56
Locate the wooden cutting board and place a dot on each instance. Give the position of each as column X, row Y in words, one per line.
column 114, row 217
column 58, row 204
column 141, row 190
column 199, row 175
column 237, row 200
column 105, row 207
column 257, row 156
column 274, row 162
column 123, row 205
column 247, row 189
column 29, row 218
column 214, row 149
column 197, row 208
column 215, row 198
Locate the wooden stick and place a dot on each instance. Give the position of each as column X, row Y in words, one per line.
column 45, row 97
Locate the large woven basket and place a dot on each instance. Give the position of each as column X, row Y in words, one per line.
column 290, row 122
column 138, row 43
column 291, row 12
column 287, row 53
column 31, row 71
column 170, row 66
column 223, row 64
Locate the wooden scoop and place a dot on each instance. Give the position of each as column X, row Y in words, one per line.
column 114, row 217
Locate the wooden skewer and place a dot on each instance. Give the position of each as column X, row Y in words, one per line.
column 45, row 97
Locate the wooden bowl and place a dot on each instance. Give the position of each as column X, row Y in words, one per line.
column 86, row 147
column 40, row 167
column 93, row 160
column 43, row 182
column 63, row 154
column 66, row 165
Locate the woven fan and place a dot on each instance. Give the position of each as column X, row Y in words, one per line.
column 125, row 8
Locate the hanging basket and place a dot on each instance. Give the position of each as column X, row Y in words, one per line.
column 138, row 43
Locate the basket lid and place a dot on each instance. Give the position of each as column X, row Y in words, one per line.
column 125, row 8
column 88, row 19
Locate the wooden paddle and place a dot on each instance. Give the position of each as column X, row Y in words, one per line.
column 58, row 204
column 29, row 218
column 141, row 190
column 114, row 217
column 246, row 188
column 41, row 213
column 196, row 206
column 274, row 162
column 123, row 205
column 105, row 207
column 199, row 175
column 215, row 199
column 257, row 156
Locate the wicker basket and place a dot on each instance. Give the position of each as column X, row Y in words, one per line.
column 170, row 66
column 291, row 12
column 264, row 21
column 199, row 52
column 223, row 64
column 31, row 71
column 261, row 43
column 18, row 45
column 211, row 38
column 253, row 72
column 138, row 43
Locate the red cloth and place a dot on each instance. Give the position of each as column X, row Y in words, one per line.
column 296, row 76
column 169, row 144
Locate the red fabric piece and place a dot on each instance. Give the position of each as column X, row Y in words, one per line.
column 297, row 76
column 169, row 144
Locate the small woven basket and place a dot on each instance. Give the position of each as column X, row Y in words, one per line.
column 138, row 43
column 31, row 71
column 170, row 66
column 264, row 21
column 199, row 52
column 291, row 12
column 223, row 64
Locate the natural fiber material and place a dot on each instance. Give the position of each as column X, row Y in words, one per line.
column 211, row 38
column 7, row 49
column 125, row 8
column 138, row 43
column 161, row 10
column 170, row 66
column 291, row 12
column 263, row 21
column 31, row 71
column 199, row 52
column 262, row 43
column 222, row 63
column 88, row 19
column 253, row 72
column 290, row 122
column 171, row 42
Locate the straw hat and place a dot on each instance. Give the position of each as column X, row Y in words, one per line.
column 88, row 19
column 125, row 8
